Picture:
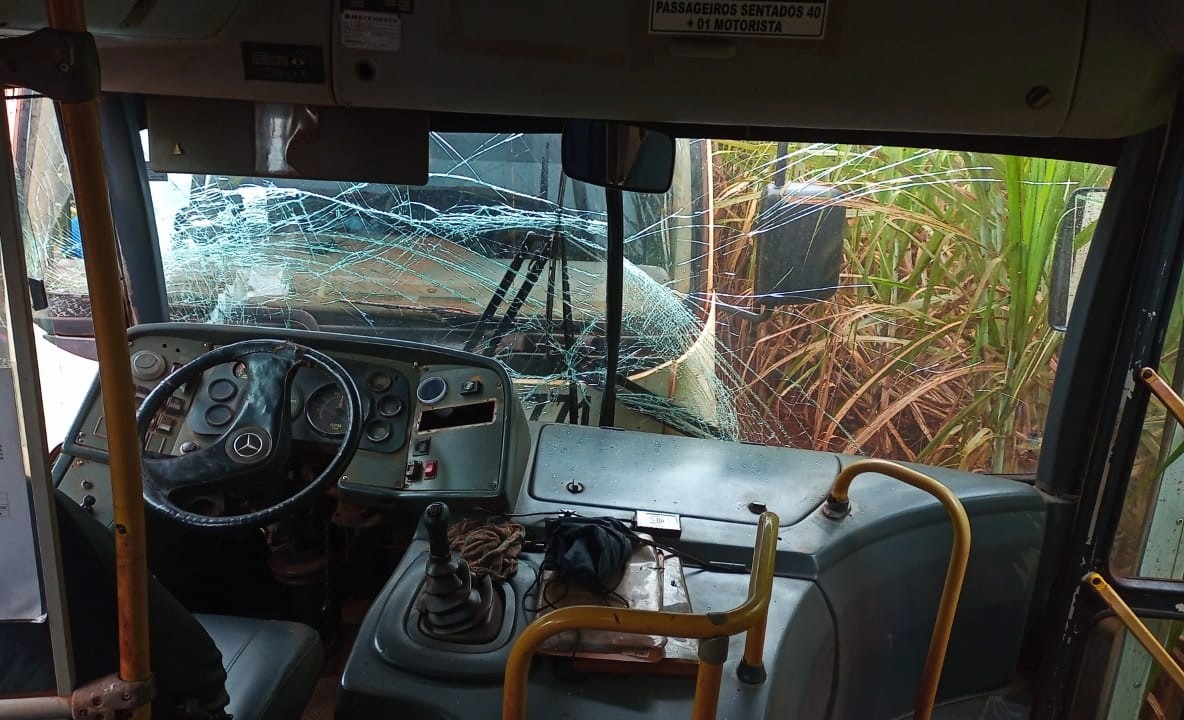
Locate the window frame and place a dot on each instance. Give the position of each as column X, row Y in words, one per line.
column 1129, row 287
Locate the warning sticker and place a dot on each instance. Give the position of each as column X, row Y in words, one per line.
column 770, row 18
column 274, row 62
column 367, row 30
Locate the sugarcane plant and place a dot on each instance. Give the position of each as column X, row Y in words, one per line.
column 937, row 346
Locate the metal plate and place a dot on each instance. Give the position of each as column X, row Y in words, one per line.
column 687, row 476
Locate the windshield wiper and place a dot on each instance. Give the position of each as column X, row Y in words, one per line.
column 553, row 249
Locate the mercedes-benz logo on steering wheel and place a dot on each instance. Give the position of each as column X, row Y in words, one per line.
column 248, row 445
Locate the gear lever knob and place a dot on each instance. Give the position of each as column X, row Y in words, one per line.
column 436, row 520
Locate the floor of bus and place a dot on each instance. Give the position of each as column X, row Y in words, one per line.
column 1009, row 704
column 324, row 696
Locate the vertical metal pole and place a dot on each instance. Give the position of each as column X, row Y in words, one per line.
column 713, row 653
column 751, row 669
column 80, row 130
column 32, row 417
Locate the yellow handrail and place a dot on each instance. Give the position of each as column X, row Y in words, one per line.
column 749, row 614
column 838, row 502
column 100, row 255
column 1159, row 387
column 1145, row 637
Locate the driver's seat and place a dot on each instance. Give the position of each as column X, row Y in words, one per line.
column 271, row 667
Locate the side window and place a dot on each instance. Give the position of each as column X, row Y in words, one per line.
column 53, row 241
column 53, row 252
column 1150, row 538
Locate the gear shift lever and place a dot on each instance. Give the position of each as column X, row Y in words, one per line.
column 436, row 520
column 454, row 605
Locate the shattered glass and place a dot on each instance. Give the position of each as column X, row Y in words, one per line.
column 871, row 300
column 425, row 264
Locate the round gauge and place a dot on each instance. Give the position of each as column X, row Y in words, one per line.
column 378, row 431
column 390, row 406
column 240, row 370
column 297, row 402
column 379, row 382
column 219, row 415
column 431, row 390
column 222, row 390
column 327, row 410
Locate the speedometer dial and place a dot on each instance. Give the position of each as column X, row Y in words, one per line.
column 327, row 411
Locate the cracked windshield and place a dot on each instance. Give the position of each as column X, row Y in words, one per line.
column 901, row 303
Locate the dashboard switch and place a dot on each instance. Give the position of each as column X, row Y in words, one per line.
column 147, row 365
column 429, row 469
column 422, row 446
column 413, row 469
column 470, row 387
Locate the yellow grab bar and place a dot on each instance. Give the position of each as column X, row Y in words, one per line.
column 705, row 626
column 1136, row 627
column 838, row 504
column 100, row 255
column 1164, row 392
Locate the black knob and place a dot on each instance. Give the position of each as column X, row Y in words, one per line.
column 435, row 520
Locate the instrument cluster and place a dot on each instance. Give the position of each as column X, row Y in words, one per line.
column 318, row 407
column 436, row 423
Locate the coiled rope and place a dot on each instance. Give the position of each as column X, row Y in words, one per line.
column 489, row 548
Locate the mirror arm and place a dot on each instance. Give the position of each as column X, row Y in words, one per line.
column 781, row 168
column 749, row 315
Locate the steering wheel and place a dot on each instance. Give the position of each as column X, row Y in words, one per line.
column 253, row 451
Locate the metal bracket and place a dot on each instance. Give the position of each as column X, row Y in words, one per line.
column 755, row 316
column 110, row 698
column 60, row 64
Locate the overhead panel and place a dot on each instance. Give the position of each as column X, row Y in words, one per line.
column 1096, row 69
column 262, row 50
column 1003, row 67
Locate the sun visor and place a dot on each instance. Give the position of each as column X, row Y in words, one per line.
column 230, row 137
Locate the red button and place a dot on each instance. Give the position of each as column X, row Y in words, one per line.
column 429, row 469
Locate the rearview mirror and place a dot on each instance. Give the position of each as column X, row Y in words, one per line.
column 1071, row 244
column 618, row 155
column 798, row 243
